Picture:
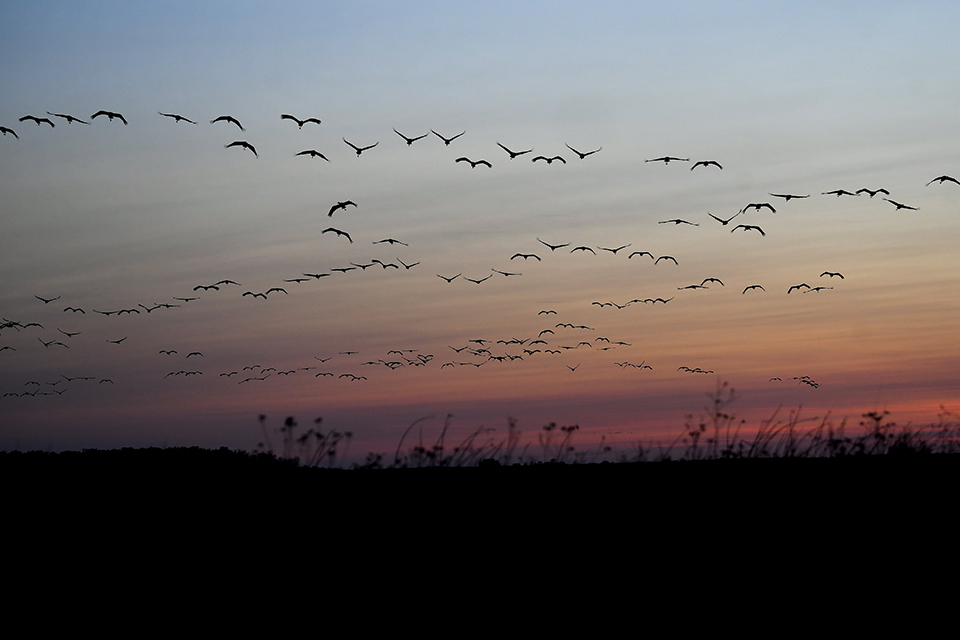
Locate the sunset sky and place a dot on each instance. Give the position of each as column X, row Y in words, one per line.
column 789, row 97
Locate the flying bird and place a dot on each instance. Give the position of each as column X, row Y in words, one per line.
column 943, row 179
column 391, row 241
column 748, row 227
column 450, row 279
column 721, row 220
column 553, row 247
column 70, row 119
column 480, row 280
column 299, row 122
column 551, row 159
column 410, row 141
column 817, row 289
column 338, row 232
column 473, row 163
column 244, row 144
column 46, row 300
column 668, row 159
column 614, row 251
column 838, row 193
column 678, row 221
column 760, row 205
column 341, row 205
column 111, row 115
column 832, row 274
column 641, row 254
column 754, row 286
column 360, row 150
column 176, row 117
column 314, row 154
column 447, row 141
column 874, row 192
column 666, row 258
column 583, row 155
column 513, row 154
column 525, row 256
column 788, row 196
column 802, row 285
column 705, row 163
column 228, row 119
column 900, row 206
column 38, row 120
column 583, row 248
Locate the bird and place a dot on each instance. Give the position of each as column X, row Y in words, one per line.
column 176, row 117
column 572, row 368
column 900, row 206
column 407, row 266
column 38, row 120
column 525, row 256
column 614, row 251
column 513, row 154
column 480, row 280
column 583, row 155
column 447, row 141
column 451, row 278
column 817, row 289
column 228, row 119
column 666, row 258
column 314, row 154
column 360, row 150
column 473, row 163
column 760, row 205
column 788, row 196
column 832, row 274
column 551, row 159
column 748, row 227
column 706, row 163
column 798, row 286
column 168, row 352
column 706, row 280
column 754, row 286
column 46, row 300
column 317, row 275
column 390, row 241
column 874, row 192
column 111, row 115
column 553, row 247
column 244, row 144
column 838, row 193
column 506, row 273
column 692, row 286
column 338, row 232
column 546, row 312
column 300, row 123
column 5, row 131
column 410, row 141
column 939, row 180
column 70, row 119
column 641, row 254
column 75, row 310
column 194, row 353
column 206, row 287
column 668, row 159
column 678, row 221
column 341, row 205
column 583, row 248
column 69, row 334
column 117, row 341
column 722, row 221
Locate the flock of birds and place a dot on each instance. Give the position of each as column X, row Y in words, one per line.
column 554, row 340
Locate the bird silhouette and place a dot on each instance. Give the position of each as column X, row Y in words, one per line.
column 447, row 141
column 760, row 205
column 244, row 144
column 584, row 249
column 832, row 274
column 678, row 221
column 666, row 258
column 111, row 115
column 360, row 150
column 582, row 154
column 614, row 251
column 70, row 119
column 753, row 286
column 449, row 279
column 228, row 119
column 802, row 285
column 838, row 193
column 940, row 180
column 788, row 196
column 5, row 131
column 473, row 163
column 300, row 123
column 525, row 256
column 748, row 227
column 705, row 163
column 553, row 247
column 480, row 280
column 338, row 232
column 341, row 205
column 38, row 120
column 391, row 241
column 721, row 220
column 874, row 192
column 410, row 141
column 550, row 160
column 899, row 205
column 313, row 153
column 641, row 254
column 176, row 117
column 513, row 154
column 46, row 300
column 668, row 159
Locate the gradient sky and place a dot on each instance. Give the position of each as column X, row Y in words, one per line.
column 789, row 97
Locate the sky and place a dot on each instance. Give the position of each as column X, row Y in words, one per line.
column 788, row 97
